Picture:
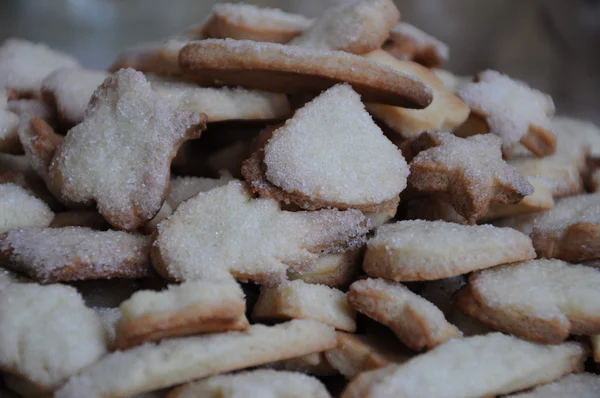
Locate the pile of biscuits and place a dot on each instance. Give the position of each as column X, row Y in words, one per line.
column 267, row 205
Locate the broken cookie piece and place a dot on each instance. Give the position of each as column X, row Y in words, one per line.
column 50, row 255
column 407, row 42
column 470, row 172
column 193, row 307
column 538, row 300
column 20, row 209
column 48, row 335
column 292, row 69
column 334, row 270
column 418, row 323
column 225, row 231
column 330, row 154
column 356, row 27
column 420, row 250
column 513, row 111
column 301, row 300
column 135, row 135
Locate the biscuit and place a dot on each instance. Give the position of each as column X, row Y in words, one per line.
column 563, row 301
column 225, row 231
column 109, row 317
column 308, row 160
column 513, row 111
column 32, row 107
column 334, row 270
column 9, row 123
column 193, row 307
column 314, row 364
column 358, row 353
column 292, row 69
column 583, row 385
column 20, row 209
column 301, row 300
column 407, row 42
column 417, row 323
column 47, row 334
column 23, row 66
column 428, row 250
column 50, row 255
column 452, row 82
column 80, row 218
column 493, row 364
column 159, row 57
column 222, row 103
column 470, row 172
column 249, row 22
column 570, row 230
column 445, row 113
column 125, row 138
column 69, row 90
column 256, row 383
column 540, row 200
column 176, row 361
column 356, row 27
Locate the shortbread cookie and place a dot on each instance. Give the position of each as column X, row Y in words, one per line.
column 301, row 300
column 160, row 57
column 356, row 27
column 570, row 231
column 407, row 42
column 48, row 334
column 53, row 255
column 331, row 154
column 583, row 385
column 193, row 307
column 109, row 317
column 314, row 364
column 452, row 82
column 249, row 22
column 9, row 123
column 539, row 300
column 20, row 209
column 132, row 148
column 445, row 113
column 176, row 361
column 32, row 107
column 417, row 323
column 333, row 270
column 69, row 90
column 292, row 69
column 222, row 103
column 540, row 200
column 225, row 231
column 357, row 353
column 513, row 111
column 23, row 66
column 80, row 218
column 256, row 383
column 493, row 364
column 420, row 250
column 469, row 171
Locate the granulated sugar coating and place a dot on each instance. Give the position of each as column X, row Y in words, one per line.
column 20, row 209
column 332, row 151
column 542, row 291
column 357, row 27
column 48, row 334
column 23, row 65
column 71, row 253
column 224, row 103
column 510, row 107
column 583, row 385
column 70, row 89
column 120, row 155
column 567, row 212
column 225, row 231
column 263, row 17
column 265, row 383
column 428, row 250
column 493, row 364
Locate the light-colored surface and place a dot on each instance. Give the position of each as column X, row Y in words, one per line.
column 175, row 361
column 20, row 209
column 584, row 385
column 406, row 32
column 332, row 151
column 257, row 383
column 47, row 333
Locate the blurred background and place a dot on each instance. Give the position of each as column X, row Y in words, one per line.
column 551, row 44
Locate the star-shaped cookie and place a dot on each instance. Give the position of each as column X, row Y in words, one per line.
column 469, row 171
